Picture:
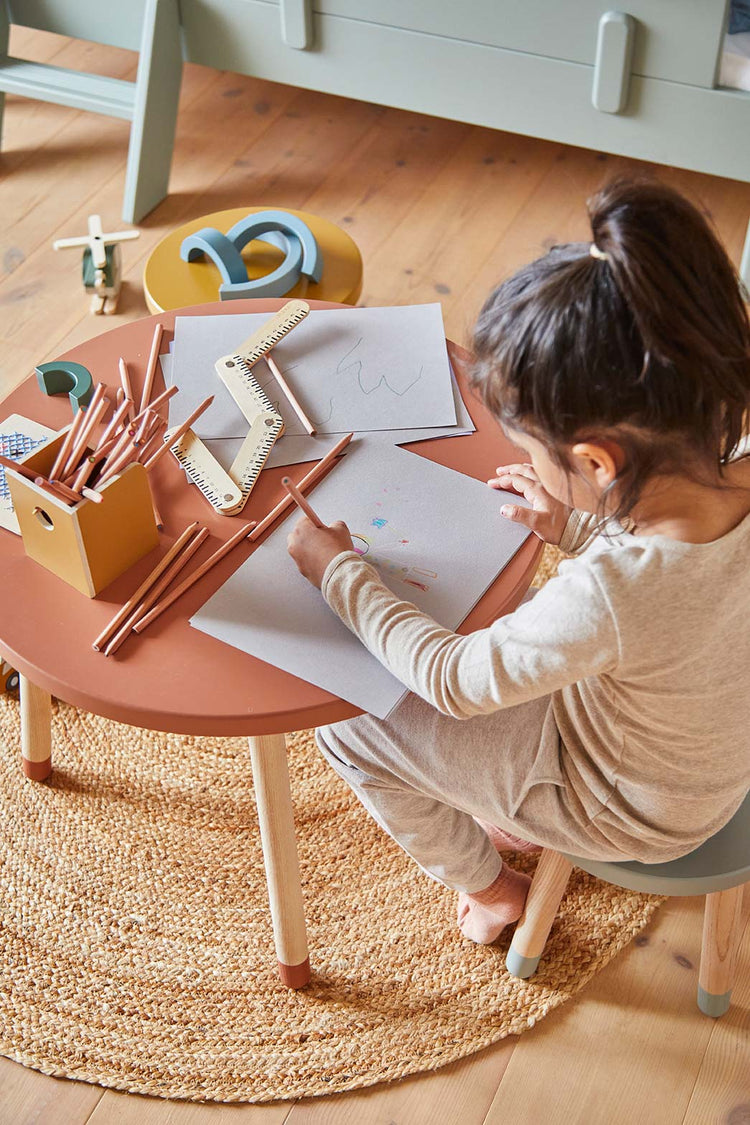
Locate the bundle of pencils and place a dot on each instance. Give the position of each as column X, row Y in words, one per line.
column 144, row 601
column 147, row 602
column 84, row 463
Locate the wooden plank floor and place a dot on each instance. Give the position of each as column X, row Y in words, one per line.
column 441, row 211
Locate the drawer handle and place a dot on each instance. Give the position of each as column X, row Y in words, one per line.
column 296, row 23
column 614, row 51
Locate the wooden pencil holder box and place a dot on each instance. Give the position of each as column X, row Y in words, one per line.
column 86, row 544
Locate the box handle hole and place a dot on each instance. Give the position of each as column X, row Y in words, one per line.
column 44, row 519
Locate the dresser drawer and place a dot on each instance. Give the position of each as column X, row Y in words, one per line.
column 677, row 40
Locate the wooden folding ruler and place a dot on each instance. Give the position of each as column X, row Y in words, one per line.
column 227, row 490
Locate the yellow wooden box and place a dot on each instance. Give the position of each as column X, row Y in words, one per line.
column 86, row 544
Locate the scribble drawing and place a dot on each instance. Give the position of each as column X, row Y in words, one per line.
column 355, row 369
column 382, row 540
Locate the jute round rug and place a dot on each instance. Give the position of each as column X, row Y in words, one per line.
column 136, row 937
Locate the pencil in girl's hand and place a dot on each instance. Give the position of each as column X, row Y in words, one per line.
column 309, row 478
column 300, row 501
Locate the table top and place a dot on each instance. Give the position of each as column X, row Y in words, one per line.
column 170, row 283
column 173, row 677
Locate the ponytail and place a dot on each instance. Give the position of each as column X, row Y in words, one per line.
column 641, row 334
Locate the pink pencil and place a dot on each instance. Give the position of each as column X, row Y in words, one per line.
column 197, row 574
column 148, row 599
column 300, row 501
column 149, row 581
column 151, row 369
column 174, row 435
column 289, row 393
column 127, row 389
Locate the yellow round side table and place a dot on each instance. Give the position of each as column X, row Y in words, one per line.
column 170, row 283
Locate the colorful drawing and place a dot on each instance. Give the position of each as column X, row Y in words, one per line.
column 381, row 544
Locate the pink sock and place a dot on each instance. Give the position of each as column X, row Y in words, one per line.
column 483, row 915
column 503, row 841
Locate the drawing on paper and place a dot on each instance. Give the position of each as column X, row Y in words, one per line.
column 380, row 543
column 366, row 380
column 354, row 370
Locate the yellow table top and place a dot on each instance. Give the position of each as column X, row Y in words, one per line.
column 170, row 283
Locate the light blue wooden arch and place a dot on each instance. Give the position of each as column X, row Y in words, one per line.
column 302, row 256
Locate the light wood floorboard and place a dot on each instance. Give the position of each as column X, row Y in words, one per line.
column 441, row 211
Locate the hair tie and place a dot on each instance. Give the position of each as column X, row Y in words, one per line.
column 595, row 252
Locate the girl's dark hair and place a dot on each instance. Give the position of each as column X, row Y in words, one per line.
column 650, row 346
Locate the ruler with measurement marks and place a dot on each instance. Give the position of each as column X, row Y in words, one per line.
column 228, row 491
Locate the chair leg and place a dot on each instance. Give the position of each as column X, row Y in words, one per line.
column 547, row 888
column 157, row 92
column 721, row 932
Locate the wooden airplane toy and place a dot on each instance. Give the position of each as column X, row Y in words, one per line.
column 102, row 263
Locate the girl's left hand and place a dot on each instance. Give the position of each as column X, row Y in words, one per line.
column 312, row 548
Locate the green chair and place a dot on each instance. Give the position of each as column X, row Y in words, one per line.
column 718, row 869
column 152, row 27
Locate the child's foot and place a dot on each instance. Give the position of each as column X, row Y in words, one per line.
column 483, row 915
column 503, row 841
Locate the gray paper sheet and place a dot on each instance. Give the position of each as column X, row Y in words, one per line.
column 436, row 536
column 351, row 369
column 293, row 449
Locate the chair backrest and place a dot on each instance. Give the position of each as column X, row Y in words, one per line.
column 117, row 25
column 723, row 861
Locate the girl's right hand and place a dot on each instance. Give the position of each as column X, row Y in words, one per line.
column 546, row 517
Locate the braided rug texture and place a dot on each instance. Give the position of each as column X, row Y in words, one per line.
column 136, row 937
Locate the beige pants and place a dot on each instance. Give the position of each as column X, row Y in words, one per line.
column 424, row 777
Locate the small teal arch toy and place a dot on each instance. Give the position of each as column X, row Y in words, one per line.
column 302, row 256
column 102, row 263
column 64, row 376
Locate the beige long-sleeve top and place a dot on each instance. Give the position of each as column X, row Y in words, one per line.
column 642, row 643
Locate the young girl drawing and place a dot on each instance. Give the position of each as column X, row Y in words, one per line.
column 609, row 715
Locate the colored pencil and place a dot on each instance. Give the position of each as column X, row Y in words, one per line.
column 300, row 501
column 163, row 397
column 144, row 587
column 172, row 436
column 145, row 604
column 151, row 368
column 127, row 388
column 117, row 420
column 310, row 478
column 289, row 393
column 95, row 411
column 197, row 574
column 58, row 489
column 67, row 445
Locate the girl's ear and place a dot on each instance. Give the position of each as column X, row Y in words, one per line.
column 598, row 461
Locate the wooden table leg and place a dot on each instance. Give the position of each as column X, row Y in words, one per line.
column 276, row 818
column 36, row 731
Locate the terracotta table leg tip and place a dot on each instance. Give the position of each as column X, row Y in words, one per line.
column 37, row 771
column 295, row 976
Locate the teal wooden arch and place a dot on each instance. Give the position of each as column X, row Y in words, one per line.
column 302, row 256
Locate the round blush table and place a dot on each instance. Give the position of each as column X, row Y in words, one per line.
column 173, row 677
